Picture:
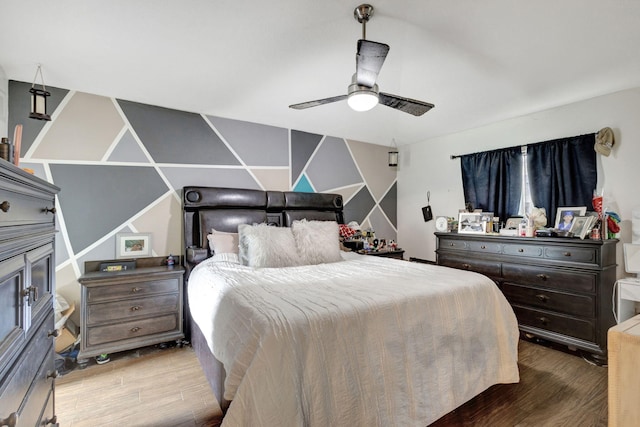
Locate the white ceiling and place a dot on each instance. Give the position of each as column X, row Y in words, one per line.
column 477, row 61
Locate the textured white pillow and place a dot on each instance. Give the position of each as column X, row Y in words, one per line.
column 263, row 246
column 223, row 243
column 318, row 242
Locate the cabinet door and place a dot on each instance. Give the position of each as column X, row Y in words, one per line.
column 12, row 314
column 39, row 279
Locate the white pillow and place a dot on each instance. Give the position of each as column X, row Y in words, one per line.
column 262, row 245
column 318, row 242
column 223, row 243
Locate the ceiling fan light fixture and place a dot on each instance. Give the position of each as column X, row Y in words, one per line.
column 363, row 100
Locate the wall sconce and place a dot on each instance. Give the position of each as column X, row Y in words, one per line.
column 393, row 154
column 39, row 99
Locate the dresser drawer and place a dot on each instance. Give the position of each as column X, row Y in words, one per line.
column 486, row 247
column 521, row 250
column 133, row 289
column 132, row 308
column 39, row 394
column 97, row 335
column 570, row 326
column 571, row 254
column 22, row 209
column 489, row 268
column 549, row 277
column 577, row 305
column 451, row 244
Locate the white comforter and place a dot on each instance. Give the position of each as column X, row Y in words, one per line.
column 367, row 341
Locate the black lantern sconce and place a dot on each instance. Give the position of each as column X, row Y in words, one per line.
column 393, row 154
column 39, row 99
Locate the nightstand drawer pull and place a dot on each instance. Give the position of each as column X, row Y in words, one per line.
column 4, row 206
column 543, row 320
column 53, row 420
column 136, row 308
column 466, row 266
column 52, row 374
column 542, row 298
column 567, row 254
column 136, row 289
column 135, row 329
column 542, row 276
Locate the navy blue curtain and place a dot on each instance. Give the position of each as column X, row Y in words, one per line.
column 562, row 172
column 492, row 181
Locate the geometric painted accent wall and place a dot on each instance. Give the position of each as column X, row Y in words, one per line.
column 121, row 166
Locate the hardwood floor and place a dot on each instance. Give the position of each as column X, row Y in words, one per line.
column 153, row 387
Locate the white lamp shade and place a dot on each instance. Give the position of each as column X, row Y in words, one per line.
column 362, row 100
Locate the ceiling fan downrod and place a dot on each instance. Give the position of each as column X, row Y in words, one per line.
column 362, row 14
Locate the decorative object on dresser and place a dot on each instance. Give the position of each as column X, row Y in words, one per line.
column 27, row 288
column 560, row 289
column 126, row 309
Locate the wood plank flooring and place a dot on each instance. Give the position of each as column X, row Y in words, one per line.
column 153, row 387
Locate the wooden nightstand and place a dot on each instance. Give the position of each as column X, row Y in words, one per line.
column 129, row 309
column 397, row 254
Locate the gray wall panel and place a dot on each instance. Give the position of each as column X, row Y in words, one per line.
column 359, row 206
column 97, row 199
column 233, row 178
column 332, row 166
column 389, row 204
column 172, row 136
column 128, row 150
column 303, row 145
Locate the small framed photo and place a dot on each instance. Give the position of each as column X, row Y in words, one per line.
column 581, row 226
column 133, row 245
column 566, row 215
column 471, row 223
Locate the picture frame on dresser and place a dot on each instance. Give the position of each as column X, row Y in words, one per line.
column 569, row 211
column 133, row 245
column 471, row 223
column 581, row 226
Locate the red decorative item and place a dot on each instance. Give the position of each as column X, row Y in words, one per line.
column 612, row 225
column 346, row 231
column 597, row 205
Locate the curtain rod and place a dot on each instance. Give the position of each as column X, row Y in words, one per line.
column 455, row 156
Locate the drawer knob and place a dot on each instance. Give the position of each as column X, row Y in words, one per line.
column 520, row 250
column 136, row 308
column 466, row 266
column 4, row 206
column 542, row 297
column 135, row 329
column 52, row 374
column 450, row 244
column 31, row 293
column 567, row 254
column 52, row 210
column 53, row 333
column 10, row 421
column 136, row 289
column 483, row 247
column 543, row 320
column 542, row 276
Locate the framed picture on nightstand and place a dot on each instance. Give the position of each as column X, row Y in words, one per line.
column 133, row 245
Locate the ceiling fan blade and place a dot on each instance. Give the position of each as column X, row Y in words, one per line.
column 369, row 60
column 317, row 102
column 408, row 105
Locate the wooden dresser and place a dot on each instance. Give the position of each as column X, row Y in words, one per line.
column 130, row 309
column 27, row 266
column 560, row 288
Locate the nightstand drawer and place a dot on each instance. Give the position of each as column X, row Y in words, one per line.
column 566, row 325
column 132, row 308
column 97, row 335
column 577, row 305
column 133, row 289
column 549, row 277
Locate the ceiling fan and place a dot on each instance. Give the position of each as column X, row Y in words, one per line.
column 363, row 94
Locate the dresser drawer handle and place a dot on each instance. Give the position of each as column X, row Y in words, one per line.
column 542, row 298
column 135, row 329
column 136, row 308
column 483, row 247
column 53, row 420
column 52, row 210
column 543, row 320
column 52, row 374
column 450, row 244
column 10, row 421
column 520, row 250
column 466, row 266
column 542, row 276
column 136, row 289
column 53, row 333
column 31, row 293
column 567, row 254
column 4, row 207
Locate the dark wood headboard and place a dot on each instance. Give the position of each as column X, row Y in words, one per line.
column 223, row 209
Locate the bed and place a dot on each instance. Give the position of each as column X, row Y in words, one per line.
column 359, row 340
